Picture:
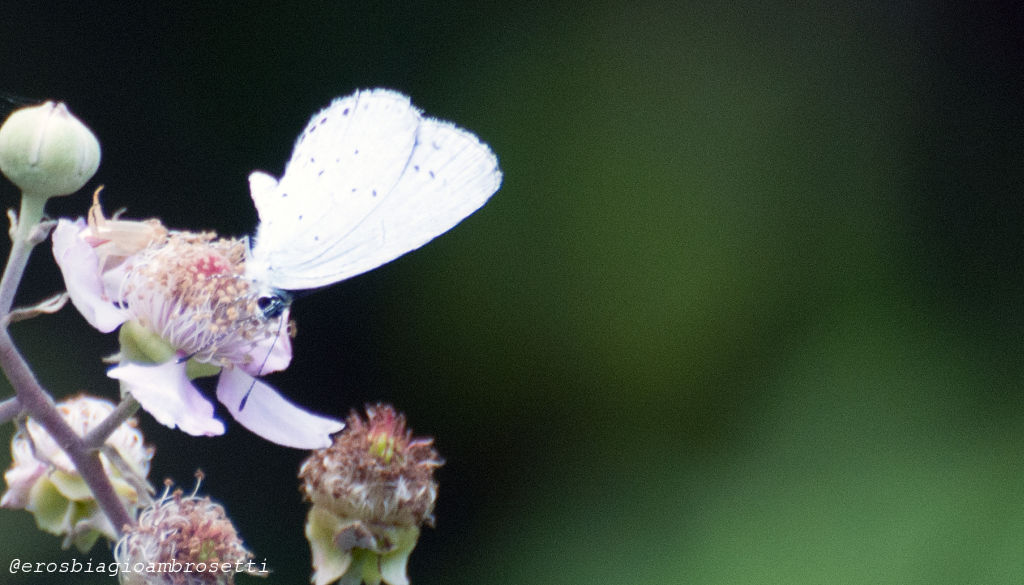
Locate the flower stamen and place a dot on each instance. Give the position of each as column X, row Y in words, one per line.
column 192, row 292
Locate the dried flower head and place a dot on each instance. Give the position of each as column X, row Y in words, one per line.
column 182, row 540
column 43, row 480
column 371, row 491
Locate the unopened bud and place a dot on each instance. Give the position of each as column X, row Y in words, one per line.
column 46, row 151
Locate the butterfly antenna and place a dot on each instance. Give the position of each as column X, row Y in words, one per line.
column 266, row 358
column 241, row 404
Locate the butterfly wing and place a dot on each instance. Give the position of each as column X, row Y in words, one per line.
column 369, row 180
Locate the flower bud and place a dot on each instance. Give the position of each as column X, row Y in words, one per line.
column 371, row 491
column 43, row 480
column 46, row 151
column 183, row 540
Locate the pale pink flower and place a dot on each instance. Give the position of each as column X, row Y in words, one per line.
column 43, row 481
column 186, row 295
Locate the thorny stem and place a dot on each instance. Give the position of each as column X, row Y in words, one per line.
column 35, row 400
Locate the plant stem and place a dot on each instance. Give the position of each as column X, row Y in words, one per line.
column 21, row 247
column 98, row 435
column 9, row 409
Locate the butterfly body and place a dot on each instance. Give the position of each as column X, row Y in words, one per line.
column 370, row 178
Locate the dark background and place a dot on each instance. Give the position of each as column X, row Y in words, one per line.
column 747, row 308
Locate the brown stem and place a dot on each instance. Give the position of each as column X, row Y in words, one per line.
column 9, row 409
column 97, row 436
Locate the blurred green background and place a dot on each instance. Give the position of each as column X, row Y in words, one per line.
column 747, row 308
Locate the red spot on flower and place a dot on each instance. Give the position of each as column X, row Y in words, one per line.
column 211, row 264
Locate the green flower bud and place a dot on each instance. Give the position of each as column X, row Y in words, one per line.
column 46, row 151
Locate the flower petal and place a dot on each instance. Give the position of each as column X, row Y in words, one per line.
column 166, row 392
column 21, row 476
column 270, row 416
column 80, row 266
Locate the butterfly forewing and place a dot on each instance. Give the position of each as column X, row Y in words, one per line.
column 369, row 180
column 350, row 153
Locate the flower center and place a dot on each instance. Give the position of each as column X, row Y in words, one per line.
column 191, row 291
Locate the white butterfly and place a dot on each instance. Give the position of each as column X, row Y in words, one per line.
column 370, row 179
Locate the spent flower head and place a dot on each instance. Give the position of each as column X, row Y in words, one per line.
column 182, row 540
column 186, row 310
column 370, row 492
column 43, row 480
